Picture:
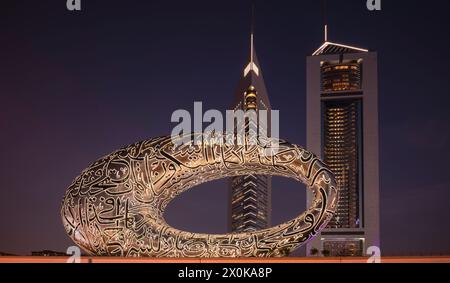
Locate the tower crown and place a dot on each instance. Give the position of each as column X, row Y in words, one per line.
column 251, row 65
column 251, row 98
column 252, row 80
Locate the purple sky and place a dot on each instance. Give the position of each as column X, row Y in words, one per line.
column 77, row 86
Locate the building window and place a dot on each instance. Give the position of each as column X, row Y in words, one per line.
column 343, row 248
column 338, row 77
column 342, row 151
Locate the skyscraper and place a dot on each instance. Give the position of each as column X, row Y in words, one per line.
column 342, row 128
column 250, row 195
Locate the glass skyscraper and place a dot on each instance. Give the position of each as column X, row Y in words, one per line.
column 250, row 195
column 342, row 128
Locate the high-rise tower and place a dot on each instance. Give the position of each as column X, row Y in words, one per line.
column 250, row 195
column 342, row 128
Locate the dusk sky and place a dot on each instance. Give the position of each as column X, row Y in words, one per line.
column 75, row 86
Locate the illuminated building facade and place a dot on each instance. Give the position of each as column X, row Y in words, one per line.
column 48, row 253
column 109, row 210
column 342, row 128
column 250, row 195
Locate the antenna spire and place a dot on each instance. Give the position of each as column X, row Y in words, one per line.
column 325, row 20
column 252, row 66
column 252, row 33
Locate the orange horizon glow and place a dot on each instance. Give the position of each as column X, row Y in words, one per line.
column 62, row 259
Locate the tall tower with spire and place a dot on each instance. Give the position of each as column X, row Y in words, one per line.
column 342, row 128
column 250, row 195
